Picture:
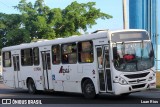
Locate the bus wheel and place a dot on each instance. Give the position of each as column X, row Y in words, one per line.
column 31, row 87
column 88, row 89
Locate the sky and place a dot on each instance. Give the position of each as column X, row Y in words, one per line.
column 111, row 7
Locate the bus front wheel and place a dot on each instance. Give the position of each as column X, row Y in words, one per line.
column 88, row 89
column 31, row 87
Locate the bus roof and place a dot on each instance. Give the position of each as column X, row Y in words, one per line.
column 127, row 30
column 70, row 39
column 95, row 35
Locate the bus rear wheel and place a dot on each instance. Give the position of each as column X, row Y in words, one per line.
column 31, row 87
column 88, row 89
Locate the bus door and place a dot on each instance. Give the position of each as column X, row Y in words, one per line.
column 16, row 66
column 46, row 63
column 105, row 80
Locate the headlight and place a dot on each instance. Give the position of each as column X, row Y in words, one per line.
column 120, row 80
column 152, row 76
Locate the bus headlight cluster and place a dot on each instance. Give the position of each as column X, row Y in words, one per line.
column 120, row 80
column 152, row 76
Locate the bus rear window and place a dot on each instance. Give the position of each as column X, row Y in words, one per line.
column 6, row 59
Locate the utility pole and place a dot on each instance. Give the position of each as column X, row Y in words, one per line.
column 124, row 15
column 156, row 36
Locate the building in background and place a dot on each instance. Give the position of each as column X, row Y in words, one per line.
column 144, row 14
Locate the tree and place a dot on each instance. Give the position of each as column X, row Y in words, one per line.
column 46, row 23
column 36, row 19
column 41, row 22
column 11, row 31
column 78, row 16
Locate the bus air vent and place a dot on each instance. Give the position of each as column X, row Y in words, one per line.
column 135, row 81
column 138, row 86
column 137, row 75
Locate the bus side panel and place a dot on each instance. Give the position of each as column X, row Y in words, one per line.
column 8, row 76
column 34, row 73
column 72, row 86
column 72, row 79
column 57, row 78
column 89, row 71
column 64, row 77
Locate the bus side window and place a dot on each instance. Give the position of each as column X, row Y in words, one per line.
column 26, row 57
column 69, row 53
column 36, row 55
column 56, row 54
column 85, row 52
column 6, row 59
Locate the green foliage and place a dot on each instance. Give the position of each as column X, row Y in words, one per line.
column 158, row 86
column 9, row 29
column 16, row 36
column 78, row 16
column 39, row 21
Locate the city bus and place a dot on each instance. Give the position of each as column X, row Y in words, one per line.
column 114, row 62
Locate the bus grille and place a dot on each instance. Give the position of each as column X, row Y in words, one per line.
column 135, row 81
column 137, row 75
column 138, row 86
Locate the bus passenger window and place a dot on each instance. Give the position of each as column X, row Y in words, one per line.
column 85, row 52
column 56, row 54
column 69, row 53
column 65, row 59
column 26, row 57
column 6, row 59
column 36, row 56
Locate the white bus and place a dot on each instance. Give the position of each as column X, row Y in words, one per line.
column 116, row 62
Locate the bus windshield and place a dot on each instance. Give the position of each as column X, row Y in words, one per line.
column 133, row 56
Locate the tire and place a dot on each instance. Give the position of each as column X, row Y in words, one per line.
column 31, row 87
column 88, row 89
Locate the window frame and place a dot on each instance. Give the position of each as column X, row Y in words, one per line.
column 34, row 56
column 60, row 59
column 3, row 59
column 92, row 51
column 69, row 53
column 31, row 56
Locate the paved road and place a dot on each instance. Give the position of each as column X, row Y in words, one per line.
column 71, row 98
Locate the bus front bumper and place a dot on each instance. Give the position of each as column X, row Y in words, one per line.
column 130, row 88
